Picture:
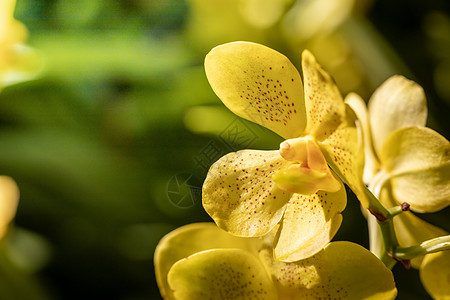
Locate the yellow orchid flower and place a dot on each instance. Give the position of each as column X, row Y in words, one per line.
column 249, row 192
column 201, row 261
column 411, row 160
column 407, row 162
column 17, row 61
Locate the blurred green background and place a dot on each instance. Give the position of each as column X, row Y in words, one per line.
column 110, row 144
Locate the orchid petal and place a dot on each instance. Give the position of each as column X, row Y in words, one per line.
column 372, row 163
column 344, row 152
column 240, row 194
column 324, row 105
column 435, row 274
column 221, row 274
column 309, row 223
column 342, row 270
column 418, row 161
column 397, row 103
column 189, row 239
column 259, row 84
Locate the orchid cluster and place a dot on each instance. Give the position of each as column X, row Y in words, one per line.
column 276, row 212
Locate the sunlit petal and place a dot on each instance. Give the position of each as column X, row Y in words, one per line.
column 325, row 108
column 240, row 195
column 258, row 84
column 371, row 164
column 342, row 270
column 221, row 274
column 397, row 103
column 418, row 160
column 190, row 239
column 435, row 274
column 414, row 149
column 309, row 223
column 425, row 191
column 344, row 152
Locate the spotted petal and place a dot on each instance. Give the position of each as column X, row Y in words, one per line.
column 240, row 195
column 258, row 84
column 342, row 270
column 221, row 274
column 418, row 161
column 324, row 105
column 397, row 103
column 344, row 151
column 190, row 239
column 435, row 274
column 309, row 223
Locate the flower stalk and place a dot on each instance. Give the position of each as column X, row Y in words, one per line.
column 434, row 245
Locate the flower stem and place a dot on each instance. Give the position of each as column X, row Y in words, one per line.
column 434, row 245
column 376, row 208
column 396, row 210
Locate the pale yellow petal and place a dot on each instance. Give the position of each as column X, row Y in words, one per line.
column 240, row 194
column 397, row 103
column 425, row 191
column 325, row 108
column 418, row 161
column 342, row 270
column 221, row 274
column 435, row 274
column 189, row 239
column 9, row 199
column 309, row 223
column 414, row 149
column 371, row 164
column 258, row 84
column 344, row 152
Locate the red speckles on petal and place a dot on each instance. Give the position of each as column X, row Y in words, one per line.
column 230, row 273
column 325, row 107
column 309, row 224
column 229, row 198
column 344, row 152
column 262, row 82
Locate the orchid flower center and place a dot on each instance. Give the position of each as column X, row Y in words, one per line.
column 309, row 171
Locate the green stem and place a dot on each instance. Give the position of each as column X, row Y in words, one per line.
column 376, row 208
column 389, row 242
column 430, row 246
column 396, row 210
column 386, row 224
